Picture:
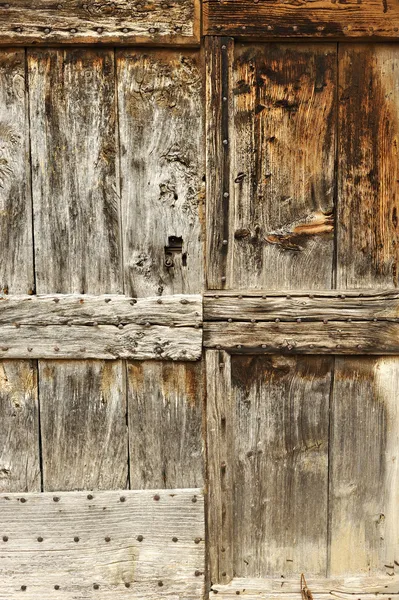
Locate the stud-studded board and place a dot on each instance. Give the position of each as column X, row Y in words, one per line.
column 116, row 544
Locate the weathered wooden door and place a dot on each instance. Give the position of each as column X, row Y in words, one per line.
column 199, row 337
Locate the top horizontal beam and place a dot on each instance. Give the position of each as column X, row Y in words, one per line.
column 151, row 22
column 320, row 19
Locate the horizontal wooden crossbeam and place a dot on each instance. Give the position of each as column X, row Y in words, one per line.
column 110, row 22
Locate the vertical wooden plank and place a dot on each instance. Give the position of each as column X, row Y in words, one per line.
column 364, row 471
column 162, row 170
column 77, row 242
column 368, row 233
column 280, row 463
column 19, row 428
column 282, row 178
column 75, row 190
column 219, row 56
column 220, row 430
column 16, row 263
column 83, row 425
column 165, row 402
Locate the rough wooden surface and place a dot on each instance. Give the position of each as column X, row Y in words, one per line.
column 282, row 151
column 165, row 411
column 162, row 170
column 19, row 427
column 268, row 465
column 105, row 342
column 310, row 306
column 358, row 337
column 16, row 266
column 75, row 187
column 368, row 181
column 83, row 426
column 220, row 416
column 107, row 22
column 71, row 309
column 321, row 19
column 364, row 470
column 91, row 545
column 289, row 588
column 219, row 56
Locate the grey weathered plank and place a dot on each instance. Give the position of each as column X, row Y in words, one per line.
column 281, row 195
column 220, row 417
column 165, row 412
column 71, row 309
column 107, row 22
column 219, row 56
column 280, row 464
column 325, row 588
column 16, row 264
column 368, row 181
column 310, row 306
column 106, row 342
column 364, row 472
column 320, row 20
column 162, row 169
column 19, row 427
column 83, row 425
column 110, row 545
column 75, row 187
column 331, row 337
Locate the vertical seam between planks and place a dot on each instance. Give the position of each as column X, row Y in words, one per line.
column 329, row 460
column 226, row 141
column 30, row 174
column 336, row 174
column 39, row 422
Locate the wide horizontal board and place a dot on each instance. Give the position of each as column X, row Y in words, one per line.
column 321, row 19
column 337, row 306
column 267, row 589
column 110, row 22
column 323, row 337
column 111, row 545
column 70, row 309
column 105, row 342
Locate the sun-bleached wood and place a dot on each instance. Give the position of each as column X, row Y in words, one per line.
column 118, row 22
column 165, row 413
column 313, row 337
column 161, row 124
column 19, row 427
column 104, row 342
column 106, row 545
column 307, row 305
column 72, row 309
column 320, row 19
column 325, row 588
column 83, row 425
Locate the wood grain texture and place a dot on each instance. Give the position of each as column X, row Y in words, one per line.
column 165, row 410
column 71, row 309
column 219, row 57
column 100, row 546
column 162, row 168
column 281, row 168
column 83, row 425
column 309, row 306
column 270, row 19
column 19, row 427
column 368, row 204
column 332, row 587
column 331, row 337
column 75, row 188
column 105, row 342
column 220, row 419
column 16, row 263
column 364, row 475
column 107, row 22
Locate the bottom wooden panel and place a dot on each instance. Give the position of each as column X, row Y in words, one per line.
column 75, row 545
